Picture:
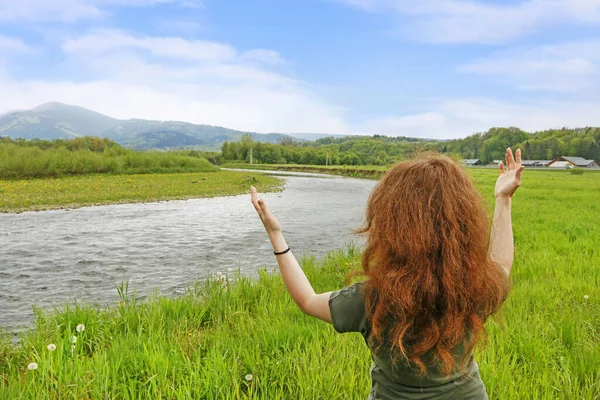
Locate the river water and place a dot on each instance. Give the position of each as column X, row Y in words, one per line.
column 50, row 258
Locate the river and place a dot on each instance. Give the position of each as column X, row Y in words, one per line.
column 51, row 258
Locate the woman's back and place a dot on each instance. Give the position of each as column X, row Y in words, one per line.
column 393, row 377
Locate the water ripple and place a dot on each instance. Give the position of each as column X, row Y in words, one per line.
column 54, row 257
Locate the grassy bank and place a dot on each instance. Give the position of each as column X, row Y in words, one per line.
column 246, row 339
column 363, row 171
column 87, row 190
column 34, row 159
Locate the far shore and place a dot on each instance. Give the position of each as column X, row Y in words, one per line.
column 71, row 192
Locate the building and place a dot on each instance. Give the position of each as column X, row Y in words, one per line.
column 560, row 164
column 471, row 162
column 536, row 163
column 572, row 162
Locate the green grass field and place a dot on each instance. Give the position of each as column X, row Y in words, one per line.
column 88, row 190
column 246, row 339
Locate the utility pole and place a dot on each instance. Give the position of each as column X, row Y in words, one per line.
column 250, row 155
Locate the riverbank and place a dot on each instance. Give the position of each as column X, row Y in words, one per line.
column 362, row 171
column 377, row 171
column 234, row 337
column 101, row 189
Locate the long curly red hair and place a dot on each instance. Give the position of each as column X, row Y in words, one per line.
column 431, row 284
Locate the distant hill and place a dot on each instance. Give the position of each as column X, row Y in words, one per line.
column 314, row 136
column 56, row 120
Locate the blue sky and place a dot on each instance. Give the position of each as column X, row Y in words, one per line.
column 428, row 68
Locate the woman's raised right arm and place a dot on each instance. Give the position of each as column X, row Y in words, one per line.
column 502, row 246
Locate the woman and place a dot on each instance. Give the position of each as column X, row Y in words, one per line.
column 434, row 275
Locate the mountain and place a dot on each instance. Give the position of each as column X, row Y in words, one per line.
column 56, row 120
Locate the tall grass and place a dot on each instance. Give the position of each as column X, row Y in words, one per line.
column 242, row 338
column 22, row 162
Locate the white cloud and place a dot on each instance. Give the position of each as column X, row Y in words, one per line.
column 41, row 10
column 464, row 21
column 462, row 117
column 262, row 56
column 11, row 45
column 425, row 125
column 244, row 107
column 562, row 67
column 128, row 76
column 170, row 47
column 71, row 10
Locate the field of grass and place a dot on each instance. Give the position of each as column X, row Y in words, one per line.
column 245, row 339
column 87, row 190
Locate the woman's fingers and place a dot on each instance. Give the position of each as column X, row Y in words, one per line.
column 501, row 167
column 509, row 159
column 263, row 206
column 254, row 199
column 518, row 155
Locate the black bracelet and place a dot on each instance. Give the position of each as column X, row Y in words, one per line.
column 281, row 252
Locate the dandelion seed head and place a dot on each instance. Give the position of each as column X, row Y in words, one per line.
column 74, row 339
column 249, row 377
column 586, row 297
column 229, row 269
column 80, row 328
column 51, row 347
column 32, row 366
column 218, row 274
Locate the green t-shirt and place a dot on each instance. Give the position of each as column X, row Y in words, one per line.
column 399, row 380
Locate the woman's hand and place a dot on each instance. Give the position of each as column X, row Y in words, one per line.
column 510, row 176
column 269, row 221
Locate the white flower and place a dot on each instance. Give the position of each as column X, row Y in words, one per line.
column 586, row 297
column 74, row 339
column 51, row 347
column 249, row 377
column 218, row 274
column 80, row 328
column 32, row 366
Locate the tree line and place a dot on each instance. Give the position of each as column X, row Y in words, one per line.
column 382, row 150
column 20, row 158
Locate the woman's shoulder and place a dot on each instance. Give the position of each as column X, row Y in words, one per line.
column 354, row 291
column 347, row 307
